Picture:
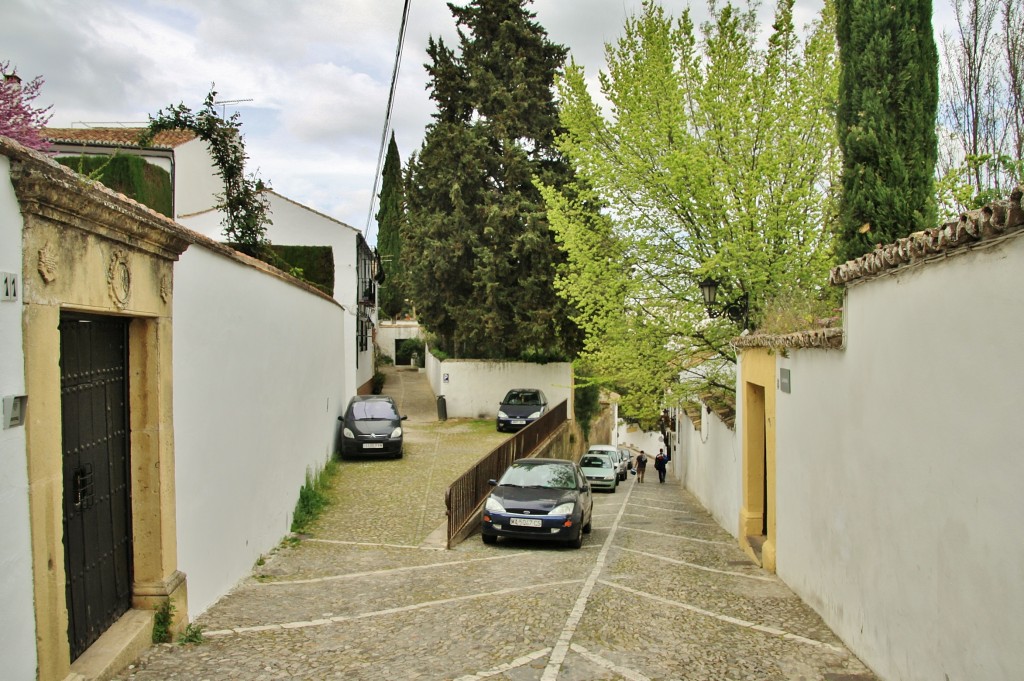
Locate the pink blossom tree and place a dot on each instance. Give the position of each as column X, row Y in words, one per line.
column 19, row 120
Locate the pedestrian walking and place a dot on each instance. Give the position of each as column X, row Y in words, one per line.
column 641, row 466
column 659, row 465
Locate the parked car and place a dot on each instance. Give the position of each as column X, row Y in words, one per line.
column 627, row 456
column 546, row 499
column 520, row 407
column 371, row 425
column 601, row 470
column 621, row 466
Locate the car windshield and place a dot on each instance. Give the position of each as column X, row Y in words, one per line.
column 373, row 410
column 596, row 462
column 558, row 476
column 522, row 397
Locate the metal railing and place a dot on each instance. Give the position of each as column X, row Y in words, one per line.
column 465, row 495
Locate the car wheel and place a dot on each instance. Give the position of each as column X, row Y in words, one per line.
column 588, row 527
column 489, row 538
column 577, row 542
column 399, row 454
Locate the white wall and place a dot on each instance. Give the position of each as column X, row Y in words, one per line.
column 196, row 182
column 296, row 225
column 389, row 332
column 259, row 370
column 709, row 462
column 474, row 388
column 17, row 626
column 899, row 471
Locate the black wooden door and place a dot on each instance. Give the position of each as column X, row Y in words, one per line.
column 97, row 489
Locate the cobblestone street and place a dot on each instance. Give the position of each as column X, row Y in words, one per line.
column 658, row 591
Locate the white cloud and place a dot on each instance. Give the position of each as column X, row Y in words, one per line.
column 318, row 71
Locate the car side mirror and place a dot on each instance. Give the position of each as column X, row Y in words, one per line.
column 404, row 417
column 341, row 418
column 492, row 482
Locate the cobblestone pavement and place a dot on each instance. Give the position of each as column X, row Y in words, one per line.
column 658, row 591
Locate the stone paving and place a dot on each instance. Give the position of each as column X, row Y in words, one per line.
column 658, row 591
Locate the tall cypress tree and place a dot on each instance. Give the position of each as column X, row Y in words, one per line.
column 888, row 96
column 389, row 233
column 480, row 257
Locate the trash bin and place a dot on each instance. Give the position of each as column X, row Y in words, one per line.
column 442, row 408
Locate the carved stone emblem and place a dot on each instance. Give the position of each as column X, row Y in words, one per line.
column 119, row 279
column 165, row 288
column 47, row 264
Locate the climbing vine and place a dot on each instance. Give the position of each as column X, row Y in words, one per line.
column 247, row 212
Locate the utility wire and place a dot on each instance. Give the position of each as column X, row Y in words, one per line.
column 387, row 117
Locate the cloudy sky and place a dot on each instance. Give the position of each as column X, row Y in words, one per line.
column 317, row 72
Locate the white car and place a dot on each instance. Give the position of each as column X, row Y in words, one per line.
column 621, row 466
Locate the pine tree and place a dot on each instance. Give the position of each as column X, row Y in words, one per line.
column 888, row 97
column 389, row 236
column 478, row 251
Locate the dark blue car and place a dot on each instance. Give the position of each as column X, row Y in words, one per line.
column 544, row 499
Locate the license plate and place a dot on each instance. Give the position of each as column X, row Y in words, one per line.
column 519, row 423
column 373, row 445
column 525, row 522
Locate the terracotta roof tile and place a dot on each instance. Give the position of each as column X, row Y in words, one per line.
column 115, row 137
column 995, row 220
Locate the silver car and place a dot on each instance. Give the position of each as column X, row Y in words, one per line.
column 621, row 466
column 601, row 470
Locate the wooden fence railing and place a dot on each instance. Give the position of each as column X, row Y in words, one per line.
column 465, row 495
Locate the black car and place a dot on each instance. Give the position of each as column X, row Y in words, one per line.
column 547, row 499
column 520, row 407
column 371, row 425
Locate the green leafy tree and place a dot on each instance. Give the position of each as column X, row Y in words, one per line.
column 247, row 212
column 479, row 255
column 715, row 158
column 389, row 236
column 888, row 99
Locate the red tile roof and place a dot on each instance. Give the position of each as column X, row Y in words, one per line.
column 115, row 137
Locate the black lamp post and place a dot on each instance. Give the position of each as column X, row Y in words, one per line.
column 736, row 310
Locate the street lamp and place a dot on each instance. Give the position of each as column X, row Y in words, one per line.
column 736, row 310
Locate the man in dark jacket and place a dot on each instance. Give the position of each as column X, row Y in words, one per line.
column 659, row 465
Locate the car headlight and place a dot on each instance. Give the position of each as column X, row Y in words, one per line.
column 493, row 506
column 563, row 509
column 502, row 415
column 348, row 433
column 535, row 415
column 397, row 432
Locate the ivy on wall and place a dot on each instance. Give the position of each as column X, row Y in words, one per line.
column 247, row 209
column 132, row 176
column 314, row 264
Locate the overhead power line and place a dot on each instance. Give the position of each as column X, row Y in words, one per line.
column 387, row 117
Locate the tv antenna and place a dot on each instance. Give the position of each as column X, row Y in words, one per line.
column 224, row 102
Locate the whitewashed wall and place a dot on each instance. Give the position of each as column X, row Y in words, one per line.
column 296, row 225
column 709, row 462
column 390, row 332
column 474, row 388
column 899, row 471
column 17, row 626
column 196, row 182
column 259, row 375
